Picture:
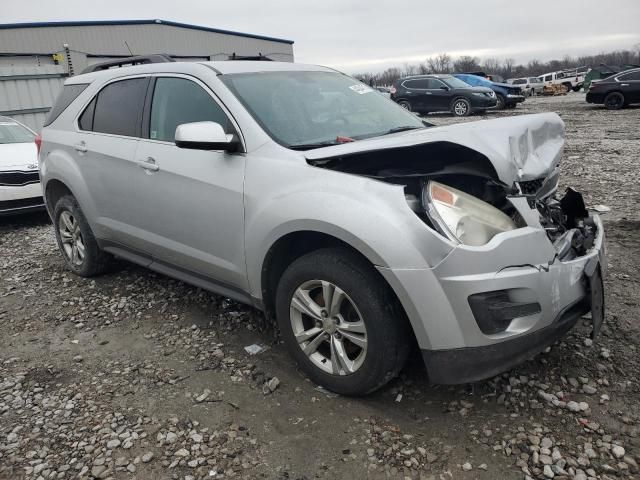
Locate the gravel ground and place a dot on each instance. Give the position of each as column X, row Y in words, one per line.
column 135, row 375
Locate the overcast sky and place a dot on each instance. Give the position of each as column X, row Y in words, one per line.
column 373, row 35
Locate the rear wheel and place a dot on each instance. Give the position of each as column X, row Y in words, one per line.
column 76, row 241
column 614, row 101
column 461, row 107
column 568, row 87
column 340, row 322
column 405, row 104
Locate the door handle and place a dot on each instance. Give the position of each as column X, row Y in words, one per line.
column 624, row 84
column 148, row 164
column 81, row 147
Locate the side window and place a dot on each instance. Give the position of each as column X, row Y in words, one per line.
column 629, row 76
column 435, row 84
column 421, row 84
column 117, row 109
column 65, row 98
column 177, row 101
column 548, row 78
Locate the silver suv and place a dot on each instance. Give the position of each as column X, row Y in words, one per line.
column 302, row 192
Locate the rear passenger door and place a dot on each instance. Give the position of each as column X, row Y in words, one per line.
column 417, row 93
column 194, row 209
column 109, row 130
column 630, row 86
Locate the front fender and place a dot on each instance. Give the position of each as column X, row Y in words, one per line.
column 371, row 216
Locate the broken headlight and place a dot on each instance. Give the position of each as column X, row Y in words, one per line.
column 462, row 217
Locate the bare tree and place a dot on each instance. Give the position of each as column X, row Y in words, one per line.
column 466, row 63
column 440, row 63
column 508, row 67
column 492, row 65
column 443, row 63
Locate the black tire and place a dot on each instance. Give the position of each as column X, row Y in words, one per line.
column 577, row 88
column 94, row 261
column 387, row 331
column 502, row 102
column 461, row 107
column 614, row 101
column 405, row 104
column 568, row 86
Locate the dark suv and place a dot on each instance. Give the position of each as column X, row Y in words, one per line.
column 441, row 93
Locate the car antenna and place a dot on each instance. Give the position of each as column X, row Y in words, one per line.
column 127, row 45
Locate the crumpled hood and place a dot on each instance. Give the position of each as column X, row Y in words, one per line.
column 521, row 148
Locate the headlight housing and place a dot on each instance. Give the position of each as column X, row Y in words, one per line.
column 462, row 217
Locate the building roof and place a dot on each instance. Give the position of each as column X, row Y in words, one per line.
column 91, row 23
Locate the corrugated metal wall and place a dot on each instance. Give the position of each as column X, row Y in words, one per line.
column 28, row 93
column 30, row 82
column 106, row 40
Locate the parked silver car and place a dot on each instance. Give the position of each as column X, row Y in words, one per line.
column 301, row 191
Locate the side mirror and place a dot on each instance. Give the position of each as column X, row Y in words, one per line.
column 205, row 136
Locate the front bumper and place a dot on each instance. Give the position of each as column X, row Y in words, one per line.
column 515, row 98
column 20, row 199
column 472, row 364
column 482, row 103
column 523, row 262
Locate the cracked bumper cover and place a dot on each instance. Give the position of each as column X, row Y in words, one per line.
column 454, row 348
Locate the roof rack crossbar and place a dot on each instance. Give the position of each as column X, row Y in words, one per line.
column 130, row 61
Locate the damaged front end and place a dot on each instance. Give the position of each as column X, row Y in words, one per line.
column 526, row 260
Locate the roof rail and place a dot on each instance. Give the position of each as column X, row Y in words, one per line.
column 257, row 58
column 130, row 61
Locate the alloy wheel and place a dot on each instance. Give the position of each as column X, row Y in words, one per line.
column 71, row 238
column 460, row 108
column 328, row 327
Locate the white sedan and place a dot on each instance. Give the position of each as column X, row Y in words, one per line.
column 20, row 189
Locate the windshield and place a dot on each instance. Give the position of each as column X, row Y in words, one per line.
column 520, row 81
column 11, row 132
column 307, row 109
column 454, row 82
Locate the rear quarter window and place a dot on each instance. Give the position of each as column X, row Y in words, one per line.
column 117, row 109
column 65, row 98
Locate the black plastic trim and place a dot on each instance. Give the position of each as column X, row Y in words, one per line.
column 472, row 364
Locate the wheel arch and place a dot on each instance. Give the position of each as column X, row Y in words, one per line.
column 54, row 190
column 291, row 246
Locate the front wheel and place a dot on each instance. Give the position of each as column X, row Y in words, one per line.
column 76, row 241
column 614, row 101
column 340, row 322
column 501, row 102
column 461, row 107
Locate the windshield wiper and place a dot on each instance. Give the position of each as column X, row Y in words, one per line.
column 310, row 146
column 404, row 128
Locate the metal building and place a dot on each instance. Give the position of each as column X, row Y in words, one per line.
column 36, row 57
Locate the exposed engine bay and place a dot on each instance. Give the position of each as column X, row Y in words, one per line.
column 564, row 218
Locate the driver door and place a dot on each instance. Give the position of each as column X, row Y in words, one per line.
column 440, row 94
column 193, row 199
